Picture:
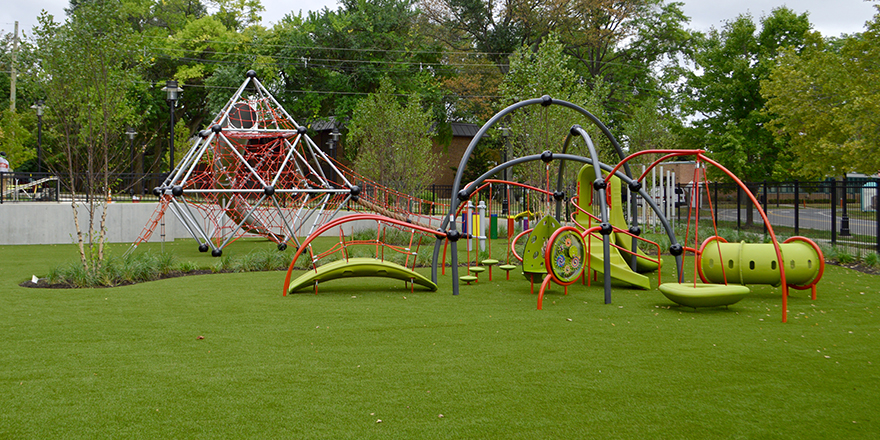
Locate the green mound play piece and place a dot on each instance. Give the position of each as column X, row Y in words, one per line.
column 477, row 269
column 490, row 262
column 467, row 278
column 536, row 244
column 507, row 267
column 615, row 214
column 704, row 295
column 359, row 267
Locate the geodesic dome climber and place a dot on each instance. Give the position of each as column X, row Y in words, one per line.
column 254, row 170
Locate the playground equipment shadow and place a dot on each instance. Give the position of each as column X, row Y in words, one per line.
column 226, row 356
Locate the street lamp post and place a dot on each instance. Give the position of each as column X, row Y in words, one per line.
column 129, row 131
column 334, row 141
column 172, row 90
column 844, row 221
column 38, row 106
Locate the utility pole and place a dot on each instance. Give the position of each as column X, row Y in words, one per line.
column 13, row 72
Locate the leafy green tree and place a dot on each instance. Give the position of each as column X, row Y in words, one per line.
column 238, row 14
column 168, row 16
column 212, row 59
column 89, row 77
column 189, row 41
column 724, row 91
column 15, row 138
column 622, row 44
column 330, row 60
column 391, row 142
column 537, row 128
column 480, row 25
column 152, row 26
column 155, row 17
column 615, row 45
column 649, row 127
column 18, row 128
column 824, row 101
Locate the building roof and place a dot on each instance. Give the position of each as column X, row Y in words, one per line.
column 462, row 129
column 325, row 124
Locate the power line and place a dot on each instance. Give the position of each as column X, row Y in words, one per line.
column 336, row 67
column 329, row 60
column 340, row 49
column 323, row 92
column 340, row 65
column 261, row 45
column 343, row 65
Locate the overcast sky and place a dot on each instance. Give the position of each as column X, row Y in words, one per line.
column 830, row 17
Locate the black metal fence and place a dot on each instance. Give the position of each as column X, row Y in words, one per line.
column 498, row 198
column 50, row 187
column 836, row 212
column 29, row 187
column 841, row 213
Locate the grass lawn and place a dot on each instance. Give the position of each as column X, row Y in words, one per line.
column 129, row 362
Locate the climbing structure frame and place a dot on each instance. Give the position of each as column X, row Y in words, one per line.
column 254, row 170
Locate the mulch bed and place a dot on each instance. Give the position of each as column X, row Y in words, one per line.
column 861, row 267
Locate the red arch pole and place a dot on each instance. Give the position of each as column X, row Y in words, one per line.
column 714, row 228
column 668, row 154
column 521, row 185
column 769, row 229
column 701, row 155
column 657, row 162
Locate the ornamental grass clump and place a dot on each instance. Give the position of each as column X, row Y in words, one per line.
column 261, row 260
column 116, row 271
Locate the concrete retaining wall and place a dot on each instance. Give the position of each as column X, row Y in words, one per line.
column 52, row 223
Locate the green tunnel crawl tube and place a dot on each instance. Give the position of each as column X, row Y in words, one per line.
column 756, row 263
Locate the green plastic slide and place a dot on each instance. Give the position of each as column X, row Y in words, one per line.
column 619, row 268
column 586, row 175
column 359, row 267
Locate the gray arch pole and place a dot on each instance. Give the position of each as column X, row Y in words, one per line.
column 634, row 218
column 499, row 168
column 449, row 220
column 603, row 206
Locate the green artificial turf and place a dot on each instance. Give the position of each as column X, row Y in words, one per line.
column 130, row 362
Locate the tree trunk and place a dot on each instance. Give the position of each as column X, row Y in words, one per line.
column 750, row 208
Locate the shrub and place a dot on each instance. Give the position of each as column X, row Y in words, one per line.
column 843, row 256
column 188, row 266
column 224, row 265
column 114, row 271
column 261, row 260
